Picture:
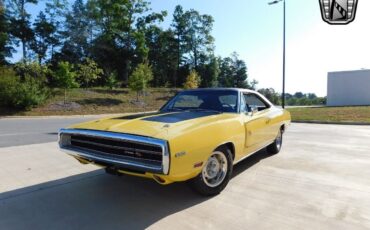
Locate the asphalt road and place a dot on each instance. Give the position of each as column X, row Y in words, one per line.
column 320, row 180
column 14, row 132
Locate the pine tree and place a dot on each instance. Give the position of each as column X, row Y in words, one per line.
column 43, row 31
column 77, row 33
column 5, row 49
column 20, row 25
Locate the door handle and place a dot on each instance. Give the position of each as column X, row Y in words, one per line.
column 268, row 121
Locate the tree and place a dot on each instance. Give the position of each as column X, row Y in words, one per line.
column 120, row 24
column 253, row 84
column 209, row 72
column 226, row 72
column 5, row 49
column 198, row 36
column 55, row 10
column 20, row 27
column 240, row 74
column 65, row 77
column 298, row 95
column 33, row 70
column 140, row 78
column 270, row 94
column 112, row 80
column 192, row 81
column 162, row 56
column 88, row 71
column 300, row 98
column 43, row 31
column 311, row 96
column 233, row 72
column 179, row 26
column 77, row 33
column 21, row 95
column 146, row 25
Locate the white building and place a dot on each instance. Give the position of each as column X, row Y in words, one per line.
column 348, row 88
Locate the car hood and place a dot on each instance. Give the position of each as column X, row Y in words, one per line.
column 157, row 125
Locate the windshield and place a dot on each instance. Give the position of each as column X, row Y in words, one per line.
column 212, row 100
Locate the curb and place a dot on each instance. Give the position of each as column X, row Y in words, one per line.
column 333, row 122
column 63, row 116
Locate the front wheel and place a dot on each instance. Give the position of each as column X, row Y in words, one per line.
column 275, row 147
column 215, row 174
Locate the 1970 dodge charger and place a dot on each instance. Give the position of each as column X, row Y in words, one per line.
column 197, row 136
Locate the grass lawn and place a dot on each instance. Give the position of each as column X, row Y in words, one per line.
column 105, row 101
column 332, row 114
column 98, row 101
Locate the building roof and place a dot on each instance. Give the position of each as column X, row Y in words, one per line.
column 350, row 71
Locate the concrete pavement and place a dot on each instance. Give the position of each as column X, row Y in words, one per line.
column 319, row 181
column 23, row 131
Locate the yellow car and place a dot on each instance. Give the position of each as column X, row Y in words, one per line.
column 197, row 136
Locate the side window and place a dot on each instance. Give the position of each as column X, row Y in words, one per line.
column 252, row 100
column 228, row 100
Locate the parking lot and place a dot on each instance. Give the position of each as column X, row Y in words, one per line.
column 320, row 180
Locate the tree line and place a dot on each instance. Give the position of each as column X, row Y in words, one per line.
column 115, row 43
column 297, row 98
column 118, row 36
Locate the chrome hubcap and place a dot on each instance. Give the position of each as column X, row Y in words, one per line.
column 215, row 170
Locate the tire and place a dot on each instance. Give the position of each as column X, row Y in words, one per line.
column 210, row 183
column 275, row 147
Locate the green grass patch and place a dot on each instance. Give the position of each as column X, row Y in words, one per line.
column 97, row 101
column 332, row 114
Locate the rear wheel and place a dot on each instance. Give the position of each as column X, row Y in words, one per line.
column 275, row 147
column 215, row 174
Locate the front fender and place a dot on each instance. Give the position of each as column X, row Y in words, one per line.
column 192, row 148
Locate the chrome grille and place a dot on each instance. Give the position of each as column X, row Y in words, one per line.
column 122, row 150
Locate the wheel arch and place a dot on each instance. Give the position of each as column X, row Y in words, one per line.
column 282, row 127
column 228, row 145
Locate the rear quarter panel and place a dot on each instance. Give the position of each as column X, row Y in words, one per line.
column 279, row 118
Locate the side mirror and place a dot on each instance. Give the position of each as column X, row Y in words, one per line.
column 254, row 110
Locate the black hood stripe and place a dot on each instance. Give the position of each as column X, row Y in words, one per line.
column 139, row 115
column 180, row 116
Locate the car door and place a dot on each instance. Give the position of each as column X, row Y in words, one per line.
column 257, row 123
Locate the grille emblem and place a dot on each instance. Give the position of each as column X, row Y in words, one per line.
column 338, row 12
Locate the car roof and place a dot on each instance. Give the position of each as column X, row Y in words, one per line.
column 221, row 89
column 231, row 89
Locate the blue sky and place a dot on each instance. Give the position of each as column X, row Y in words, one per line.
column 253, row 29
